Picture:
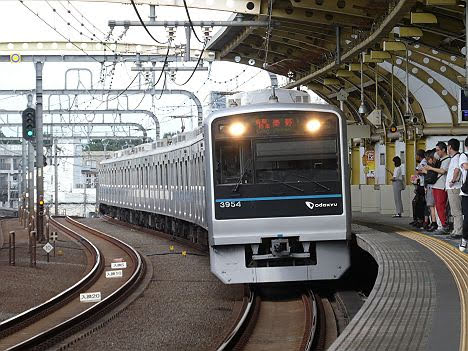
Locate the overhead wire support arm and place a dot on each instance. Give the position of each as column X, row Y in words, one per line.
column 175, row 69
column 121, row 58
column 113, row 23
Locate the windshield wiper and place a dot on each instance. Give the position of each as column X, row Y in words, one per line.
column 236, row 187
column 313, row 181
column 284, row 183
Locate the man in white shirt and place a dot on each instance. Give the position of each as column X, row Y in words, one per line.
column 438, row 189
column 453, row 185
column 463, row 162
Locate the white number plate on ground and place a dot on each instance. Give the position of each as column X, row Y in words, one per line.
column 117, row 265
column 90, row 297
column 114, row 274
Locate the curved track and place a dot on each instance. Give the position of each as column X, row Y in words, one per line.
column 285, row 324
column 64, row 314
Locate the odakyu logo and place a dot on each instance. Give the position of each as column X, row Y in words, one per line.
column 312, row 205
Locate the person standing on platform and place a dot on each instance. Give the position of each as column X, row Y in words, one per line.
column 430, row 223
column 398, row 186
column 453, row 186
column 419, row 201
column 463, row 162
column 438, row 189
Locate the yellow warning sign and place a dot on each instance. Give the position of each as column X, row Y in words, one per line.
column 15, row 58
column 184, row 253
column 171, row 248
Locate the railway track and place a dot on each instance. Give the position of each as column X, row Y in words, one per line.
column 292, row 323
column 63, row 315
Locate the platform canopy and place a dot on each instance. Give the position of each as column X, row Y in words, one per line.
column 320, row 44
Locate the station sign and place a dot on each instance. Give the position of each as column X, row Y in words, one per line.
column 90, row 297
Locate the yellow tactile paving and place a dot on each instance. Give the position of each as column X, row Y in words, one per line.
column 457, row 263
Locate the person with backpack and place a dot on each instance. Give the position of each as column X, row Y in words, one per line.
column 419, row 200
column 430, row 221
column 438, row 189
column 463, row 163
column 453, row 186
column 398, row 186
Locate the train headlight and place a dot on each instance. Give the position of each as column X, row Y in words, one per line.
column 313, row 125
column 236, row 129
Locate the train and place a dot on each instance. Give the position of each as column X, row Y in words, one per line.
column 263, row 186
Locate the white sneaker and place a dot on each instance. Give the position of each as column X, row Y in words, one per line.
column 463, row 245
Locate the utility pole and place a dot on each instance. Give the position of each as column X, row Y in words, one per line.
column 85, row 200
column 55, row 178
column 188, row 35
column 30, row 177
column 39, row 155
column 9, row 187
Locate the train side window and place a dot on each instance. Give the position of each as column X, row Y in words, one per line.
column 147, row 175
column 155, row 170
column 202, row 170
column 182, row 173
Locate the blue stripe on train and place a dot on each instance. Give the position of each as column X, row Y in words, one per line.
column 327, row 196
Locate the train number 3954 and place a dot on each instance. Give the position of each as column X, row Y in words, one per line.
column 226, row 204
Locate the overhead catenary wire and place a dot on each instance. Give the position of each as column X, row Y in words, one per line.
column 190, row 22
column 57, row 31
column 85, row 18
column 195, row 68
column 144, row 25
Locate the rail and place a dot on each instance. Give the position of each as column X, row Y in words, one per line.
column 31, row 315
column 242, row 332
column 52, row 334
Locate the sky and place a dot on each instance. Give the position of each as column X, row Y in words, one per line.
column 36, row 20
column 18, row 23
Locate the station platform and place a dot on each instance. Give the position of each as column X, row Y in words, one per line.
column 419, row 299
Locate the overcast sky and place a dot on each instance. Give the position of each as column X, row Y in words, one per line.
column 18, row 24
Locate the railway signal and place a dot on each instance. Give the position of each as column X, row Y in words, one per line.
column 40, row 206
column 29, row 124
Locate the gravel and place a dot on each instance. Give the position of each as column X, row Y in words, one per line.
column 185, row 307
column 23, row 287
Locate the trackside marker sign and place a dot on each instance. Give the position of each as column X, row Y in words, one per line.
column 90, row 297
column 118, row 265
column 114, row 274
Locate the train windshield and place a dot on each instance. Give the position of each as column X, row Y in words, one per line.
column 270, row 161
column 277, row 153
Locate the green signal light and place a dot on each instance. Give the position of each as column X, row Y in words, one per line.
column 30, row 133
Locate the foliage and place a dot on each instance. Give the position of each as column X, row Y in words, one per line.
column 111, row 144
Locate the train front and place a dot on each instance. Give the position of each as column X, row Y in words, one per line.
column 277, row 193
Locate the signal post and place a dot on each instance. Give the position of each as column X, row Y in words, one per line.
column 32, row 131
column 39, row 156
